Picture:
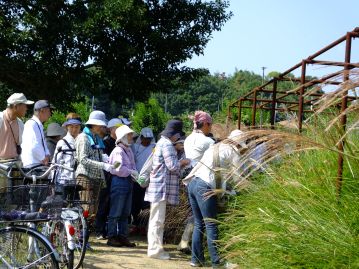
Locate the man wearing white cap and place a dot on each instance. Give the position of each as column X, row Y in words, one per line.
column 34, row 148
column 89, row 155
column 11, row 126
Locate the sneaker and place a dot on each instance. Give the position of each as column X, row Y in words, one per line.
column 115, row 242
column 161, row 256
column 195, row 264
column 101, row 237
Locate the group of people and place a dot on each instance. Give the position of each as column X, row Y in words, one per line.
column 108, row 154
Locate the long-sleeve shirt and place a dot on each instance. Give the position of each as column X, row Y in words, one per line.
column 141, row 154
column 68, row 158
column 195, row 145
column 229, row 159
column 123, row 155
column 89, row 159
column 34, row 148
column 164, row 178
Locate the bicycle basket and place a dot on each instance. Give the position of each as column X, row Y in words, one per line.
column 24, row 197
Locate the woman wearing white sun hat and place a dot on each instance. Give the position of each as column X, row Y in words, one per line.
column 121, row 188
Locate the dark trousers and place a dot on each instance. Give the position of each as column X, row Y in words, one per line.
column 138, row 203
column 103, row 208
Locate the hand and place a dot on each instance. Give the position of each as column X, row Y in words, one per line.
column 134, row 174
column 184, row 162
column 46, row 160
column 105, row 158
column 107, row 167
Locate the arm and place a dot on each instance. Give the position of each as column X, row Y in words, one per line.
column 82, row 152
column 170, row 157
column 118, row 155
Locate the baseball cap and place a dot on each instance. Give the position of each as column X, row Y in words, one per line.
column 18, row 98
column 42, row 104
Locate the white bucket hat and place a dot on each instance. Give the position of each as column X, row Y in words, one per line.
column 122, row 131
column 18, row 98
column 236, row 134
column 54, row 129
column 97, row 117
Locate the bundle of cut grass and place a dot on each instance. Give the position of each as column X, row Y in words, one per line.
column 176, row 218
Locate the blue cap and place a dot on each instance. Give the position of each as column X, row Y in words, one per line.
column 42, row 104
column 71, row 121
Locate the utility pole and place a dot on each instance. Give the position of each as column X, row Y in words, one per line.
column 261, row 97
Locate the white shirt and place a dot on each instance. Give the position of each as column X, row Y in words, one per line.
column 34, row 148
column 229, row 159
column 68, row 158
column 195, row 145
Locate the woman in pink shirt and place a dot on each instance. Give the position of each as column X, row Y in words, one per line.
column 121, row 188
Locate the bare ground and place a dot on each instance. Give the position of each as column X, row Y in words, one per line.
column 103, row 256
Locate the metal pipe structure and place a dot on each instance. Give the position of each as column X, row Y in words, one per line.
column 343, row 118
column 275, row 96
column 304, row 83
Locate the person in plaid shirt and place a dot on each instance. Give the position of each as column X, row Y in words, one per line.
column 91, row 160
column 163, row 187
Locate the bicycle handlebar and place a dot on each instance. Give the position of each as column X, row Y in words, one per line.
column 12, row 163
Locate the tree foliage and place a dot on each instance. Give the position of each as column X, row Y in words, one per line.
column 129, row 47
column 149, row 114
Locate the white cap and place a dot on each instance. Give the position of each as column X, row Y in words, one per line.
column 97, row 117
column 237, row 134
column 114, row 123
column 122, row 131
column 147, row 132
column 18, row 98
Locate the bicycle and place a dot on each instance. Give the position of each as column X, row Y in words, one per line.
column 32, row 197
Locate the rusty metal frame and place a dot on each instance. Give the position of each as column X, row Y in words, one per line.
column 276, row 96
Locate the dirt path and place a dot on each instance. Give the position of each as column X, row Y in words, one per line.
column 107, row 257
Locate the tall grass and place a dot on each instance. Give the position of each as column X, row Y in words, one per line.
column 290, row 215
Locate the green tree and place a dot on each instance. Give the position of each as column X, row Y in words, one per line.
column 149, row 114
column 127, row 48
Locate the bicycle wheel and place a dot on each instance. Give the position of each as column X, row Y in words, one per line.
column 23, row 247
column 81, row 239
column 55, row 231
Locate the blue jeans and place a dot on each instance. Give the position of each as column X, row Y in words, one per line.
column 203, row 209
column 120, row 206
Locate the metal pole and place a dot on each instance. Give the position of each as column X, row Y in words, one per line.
column 261, row 112
column 343, row 119
column 301, row 98
column 274, row 103
column 239, row 114
column 254, row 109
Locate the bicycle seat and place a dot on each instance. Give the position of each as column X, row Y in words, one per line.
column 53, row 201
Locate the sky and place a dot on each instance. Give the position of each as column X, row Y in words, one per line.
column 277, row 34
